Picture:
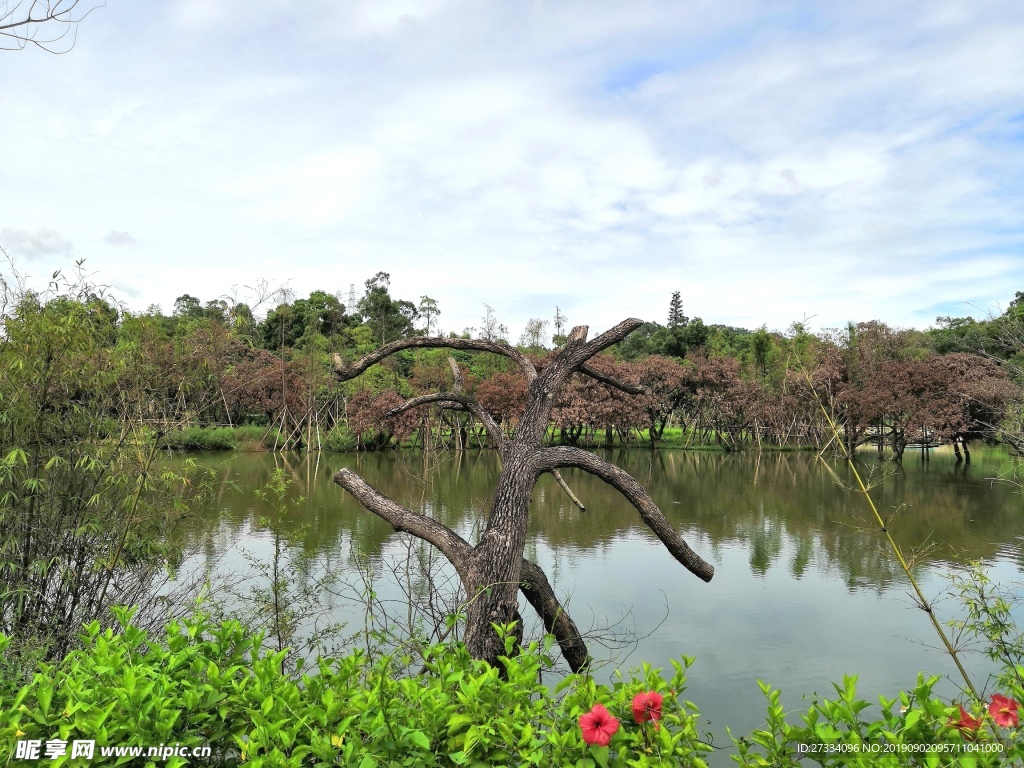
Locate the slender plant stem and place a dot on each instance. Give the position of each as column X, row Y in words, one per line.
column 922, row 600
column 131, row 519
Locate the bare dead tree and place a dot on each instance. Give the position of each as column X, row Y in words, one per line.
column 48, row 24
column 494, row 571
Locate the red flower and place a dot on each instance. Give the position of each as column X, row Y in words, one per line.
column 598, row 726
column 1004, row 711
column 647, row 706
column 967, row 722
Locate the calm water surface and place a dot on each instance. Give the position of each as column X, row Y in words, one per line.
column 805, row 590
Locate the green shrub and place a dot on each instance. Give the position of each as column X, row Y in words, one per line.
column 207, row 684
column 255, row 438
column 915, row 729
column 201, row 439
column 339, row 440
column 213, row 684
column 244, row 438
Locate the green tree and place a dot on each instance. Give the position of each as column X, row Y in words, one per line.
column 534, row 334
column 242, row 322
column 428, row 311
column 761, row 345
column 81, row 511
column 283, row 327
column 675, row 311
column 188, row 307
column 389, row 319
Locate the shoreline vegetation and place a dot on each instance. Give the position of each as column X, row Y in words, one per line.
column 228, row 692
column 90, row 393
column 255, row 439
column 278, row 383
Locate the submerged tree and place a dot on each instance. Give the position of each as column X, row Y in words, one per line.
column 494, row 570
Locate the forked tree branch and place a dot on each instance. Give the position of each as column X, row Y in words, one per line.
column 533, row 582
column 547, row 459
column 449, row 543
column 494, row 571
column 346, row 372
column 611, row 381
column 538, row 592
column 577, row 350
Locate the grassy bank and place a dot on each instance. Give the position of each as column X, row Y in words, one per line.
column 247, row 438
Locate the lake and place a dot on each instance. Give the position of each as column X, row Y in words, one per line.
column 805, row 590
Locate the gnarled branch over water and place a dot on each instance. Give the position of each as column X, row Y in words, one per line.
column 494, row 571
column 449, row 543
column 550, row 459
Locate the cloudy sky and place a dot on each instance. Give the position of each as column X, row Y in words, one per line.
column 772, row 161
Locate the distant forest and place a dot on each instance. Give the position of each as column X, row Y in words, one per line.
column 214, row 364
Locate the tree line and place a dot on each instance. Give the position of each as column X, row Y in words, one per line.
column 214, row 363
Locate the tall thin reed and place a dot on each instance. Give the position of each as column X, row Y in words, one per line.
column 883, row 526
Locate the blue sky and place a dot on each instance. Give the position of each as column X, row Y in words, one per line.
column 771, row 161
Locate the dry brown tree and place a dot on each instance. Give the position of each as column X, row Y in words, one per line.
column 494, row 571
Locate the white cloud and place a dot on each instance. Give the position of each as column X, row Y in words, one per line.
column 34, row 244
column 119, row 238
column 847, row 162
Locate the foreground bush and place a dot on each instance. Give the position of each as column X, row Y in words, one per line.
column 214, row 684
column 206, row 683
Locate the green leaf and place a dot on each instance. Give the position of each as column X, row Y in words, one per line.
column 457, row 721
column 600, row 755
column 419, row 739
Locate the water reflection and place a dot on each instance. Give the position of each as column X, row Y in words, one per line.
column 806, row 590
column 717, row 501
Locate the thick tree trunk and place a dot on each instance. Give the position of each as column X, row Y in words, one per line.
column 494, row 571
column 493, row 575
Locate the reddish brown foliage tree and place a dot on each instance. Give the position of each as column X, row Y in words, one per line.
column 666, row 381
column 262, row 383
column 370, row 419
column 504, row 397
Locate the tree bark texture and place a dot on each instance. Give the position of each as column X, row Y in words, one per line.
column 494, row 571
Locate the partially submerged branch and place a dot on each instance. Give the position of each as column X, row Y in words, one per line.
column 541, row 596
column 568, row 491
